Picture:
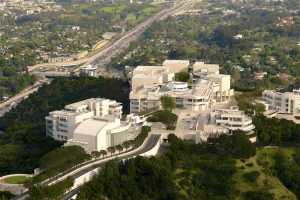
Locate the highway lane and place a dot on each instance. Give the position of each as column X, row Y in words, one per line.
column 123, row 43
column 13, row 101
column 104, row 56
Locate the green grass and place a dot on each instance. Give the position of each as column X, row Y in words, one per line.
column 265, row 181
column 117, row 9
column 16, row 179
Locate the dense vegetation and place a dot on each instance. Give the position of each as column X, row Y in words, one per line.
column 6, row 195
column 24, row 141
column 138, row 141
column 168, row 103
column 185, row 171
column 182, row 76
column 288, row 172
column 52, row 192
column 282, row 162
column 272, row 131
column 59, row 160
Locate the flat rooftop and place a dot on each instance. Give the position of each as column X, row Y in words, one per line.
column 90, row 127
column 176, row 62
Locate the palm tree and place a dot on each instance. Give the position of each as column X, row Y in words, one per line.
column 94, row 154
column 126, row 144
column 112, row 150
column 119, row 148
column 131, row 143
column 103, row 153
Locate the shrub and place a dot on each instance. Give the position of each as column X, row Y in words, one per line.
column 251, row 176
column 166, row 117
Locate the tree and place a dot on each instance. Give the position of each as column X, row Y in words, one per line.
column 95, row 154
column 168, row 103
column 259, row 195
column 103, row 153
column 166, row 117
column 237, row 144
column 119, row 148
column 112, row 150
column 126, row 144
column 182, row 76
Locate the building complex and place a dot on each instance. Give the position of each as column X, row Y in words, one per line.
column 287, row 102
column 150, row 83
column 233, row 119
column 94, row 124
column 225, row 121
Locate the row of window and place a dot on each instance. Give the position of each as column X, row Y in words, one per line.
column 62, row 137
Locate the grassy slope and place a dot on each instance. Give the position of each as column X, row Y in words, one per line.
column 265, row 180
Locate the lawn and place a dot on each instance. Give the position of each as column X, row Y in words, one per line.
column 16, row 179
column 264, row 180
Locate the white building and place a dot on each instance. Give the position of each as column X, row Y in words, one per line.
column 233, row 119
column 287, row 102
column 176, row 66
column 100, row 133
column 150, row 83
column 202, row 69
column 89, row 70
column 94, row 124
column 224, row 121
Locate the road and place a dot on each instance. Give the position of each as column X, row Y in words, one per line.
column 101, row 58
column 104, row 56
column 149, row 143
column 13, row 101
column 152, row 141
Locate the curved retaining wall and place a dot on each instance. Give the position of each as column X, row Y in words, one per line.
column 15, row 189
column 153, row 151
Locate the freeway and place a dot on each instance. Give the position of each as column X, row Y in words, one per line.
column 13, row 101
column 104, row 56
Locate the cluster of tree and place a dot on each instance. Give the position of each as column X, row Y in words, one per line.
column 12, row 81
column 6, row 195
column 272, row 131
column 53, row 192
column 60, row 159
column 238, row 145
column 287, row 170
column 168, row 103
column 164, row 116
column 182, row 76
column 185, row 171
column 259, row 195
column 24, row 141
